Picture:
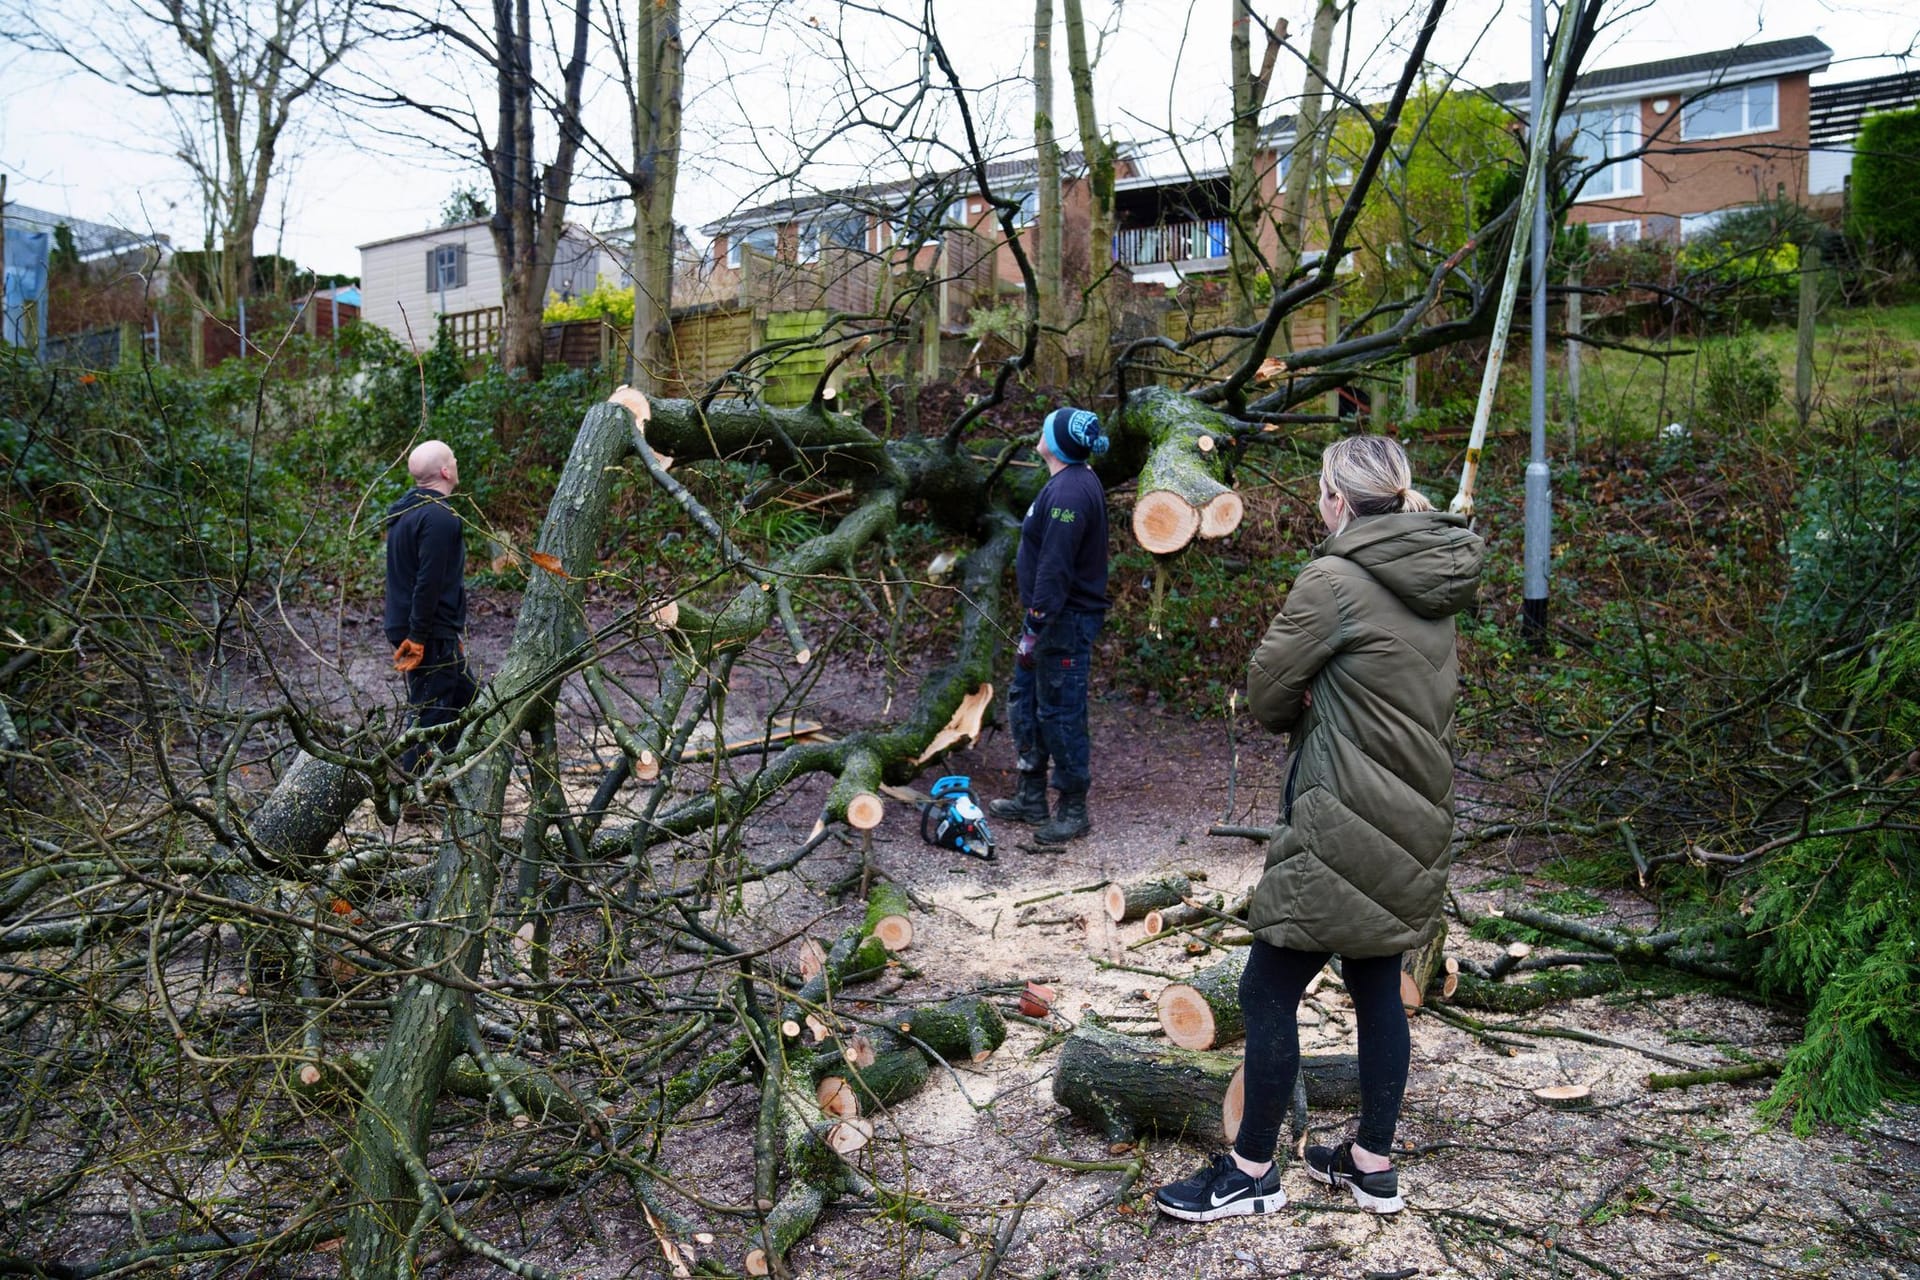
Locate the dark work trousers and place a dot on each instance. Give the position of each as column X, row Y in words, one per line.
column 1047, row 705
column 438, row 690
column 1270, row 991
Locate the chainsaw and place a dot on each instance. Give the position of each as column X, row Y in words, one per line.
column 951, row 818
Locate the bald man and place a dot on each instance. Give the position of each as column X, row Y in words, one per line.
column 427, row 596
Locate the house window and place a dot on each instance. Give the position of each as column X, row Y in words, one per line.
column 1600, row 134
column 1744, row 108
column 1699, row 224
column 1029, row 211
column 843, row 231
column 1609, row 235
column 446, row 267
column 764, row 240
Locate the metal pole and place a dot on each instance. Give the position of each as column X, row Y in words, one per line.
column 243, row 328
column 1539, row 511
column 1537, row 148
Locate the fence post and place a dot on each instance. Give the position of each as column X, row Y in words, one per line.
column 1803, row 344
column 1573, row 359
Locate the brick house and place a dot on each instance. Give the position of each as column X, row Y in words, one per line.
column 1695, row 137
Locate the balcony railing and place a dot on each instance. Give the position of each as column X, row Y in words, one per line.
column 1171, row 242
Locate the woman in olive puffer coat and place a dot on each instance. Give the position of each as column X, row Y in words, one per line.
column 1360, row 669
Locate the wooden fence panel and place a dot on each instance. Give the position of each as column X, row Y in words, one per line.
column 792, row 376
column 705, row 345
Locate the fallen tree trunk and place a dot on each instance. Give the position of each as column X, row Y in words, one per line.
column 1420, row 966
column 963, row 1028
column 293, row 826
column 1181, row 494
column 1126, row 902
column 1126, row 1086
column 389, row 1139
column 1555, row 985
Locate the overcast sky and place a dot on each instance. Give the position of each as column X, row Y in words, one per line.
column 71, row 144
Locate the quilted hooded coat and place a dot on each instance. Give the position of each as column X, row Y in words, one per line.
column 1358, row 864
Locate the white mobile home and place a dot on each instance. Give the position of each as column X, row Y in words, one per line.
column 408, row 281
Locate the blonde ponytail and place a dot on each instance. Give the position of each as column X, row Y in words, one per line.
column 1373, row 474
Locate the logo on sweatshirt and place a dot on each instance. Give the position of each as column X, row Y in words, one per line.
column 1065, row 515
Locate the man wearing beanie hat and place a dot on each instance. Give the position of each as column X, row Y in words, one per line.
column 1062, row 571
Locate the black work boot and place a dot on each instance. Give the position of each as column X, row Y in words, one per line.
column 1028, row 804
column 1070, row 820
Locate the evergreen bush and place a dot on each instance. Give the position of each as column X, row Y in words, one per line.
column 1884, row 204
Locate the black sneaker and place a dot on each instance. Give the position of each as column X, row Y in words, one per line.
column 1220, row 1190
column 1374, row 1192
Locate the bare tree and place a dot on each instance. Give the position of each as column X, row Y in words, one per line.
column 530, row 198
column 1247, row 212
column 659, row 68
column 1099, row 155
column 236, row 77
column 1052, row 365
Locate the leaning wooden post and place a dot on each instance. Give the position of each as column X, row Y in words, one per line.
column 1803, row 345
column 1573, row 359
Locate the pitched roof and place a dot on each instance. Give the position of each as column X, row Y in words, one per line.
column 1801, row 53
column 1837, row 109
column 879, row 196
column 90, row 239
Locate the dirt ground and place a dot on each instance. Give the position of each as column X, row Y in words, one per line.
column 1644, row 1183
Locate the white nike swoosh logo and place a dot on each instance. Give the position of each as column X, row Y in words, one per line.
column 1218, row 1201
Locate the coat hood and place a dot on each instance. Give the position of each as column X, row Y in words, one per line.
column 1429, row 559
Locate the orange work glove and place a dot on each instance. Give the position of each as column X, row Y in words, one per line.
column 409, row 655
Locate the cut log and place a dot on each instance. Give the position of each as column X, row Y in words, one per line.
column 965, row 1027
column 1328, row 1080
column 1181, row 477
column 299, row 818
column 864, row 811
column 1161, row 919
column 1451, row 982
column 813, row 957
column 1565, row 1097
column 1419, row 966
column 836, row 1097
column 854, row 797
column 844, row 1137
column 879, row 1073
column 1548, row 987
column 1204, row 1011
column 1222, row 514
column 887, row 915
column 1132, row 901
column 1126, row 1086
column 1164, row 522
column 1508, row 961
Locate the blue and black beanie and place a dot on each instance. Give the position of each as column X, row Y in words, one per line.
column 1073, row 435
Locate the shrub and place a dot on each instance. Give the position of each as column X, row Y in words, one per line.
column 1851, row 561
column 1743, row 385
column 1885, row 205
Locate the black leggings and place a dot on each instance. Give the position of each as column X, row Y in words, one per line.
column 1270, row 991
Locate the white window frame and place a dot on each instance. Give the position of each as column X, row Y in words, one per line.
column 736, row 239
column 1029, row 211
column 1696, row 224
column 1622, row 135
column 446, row 267
column 1615, row 233
column 1718, row 98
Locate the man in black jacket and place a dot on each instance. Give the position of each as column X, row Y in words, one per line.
column 1062, row 571
column 426, row 616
